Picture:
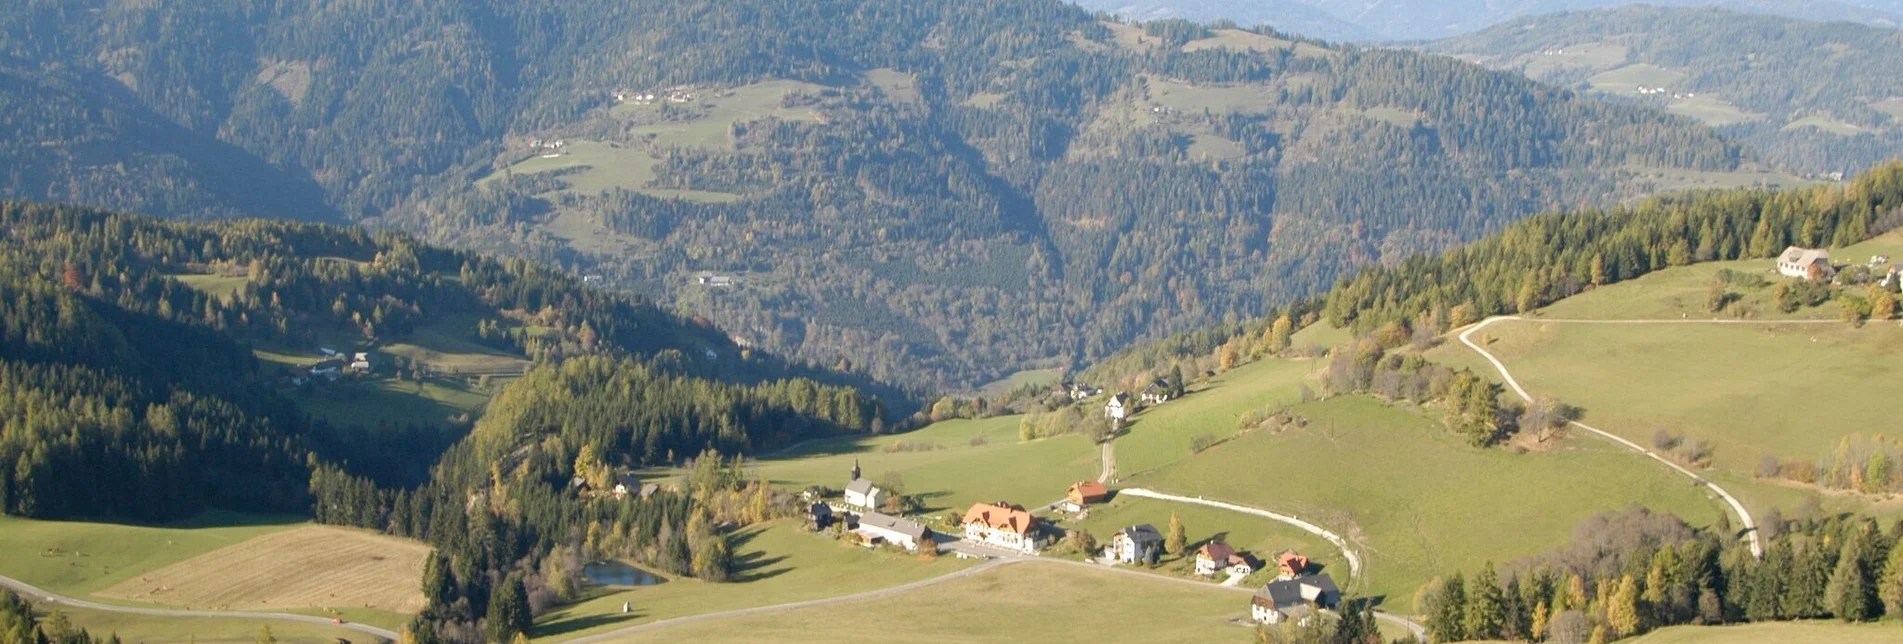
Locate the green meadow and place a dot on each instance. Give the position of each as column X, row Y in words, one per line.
column 1162, row 435
column 1416, row 499
column 81, row 557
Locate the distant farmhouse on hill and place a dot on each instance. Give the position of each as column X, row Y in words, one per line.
column 1806, row 264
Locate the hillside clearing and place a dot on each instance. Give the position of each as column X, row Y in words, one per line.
column 1406, row 490
column 1162, row 435
column 200, row 630
column 1628, row 79
column 312, row 566
column 1773, row 633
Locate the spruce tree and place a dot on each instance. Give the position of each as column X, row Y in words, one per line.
column 1486, row 606
column 1847, row 595
column 1446, row 620
column 1890, row 584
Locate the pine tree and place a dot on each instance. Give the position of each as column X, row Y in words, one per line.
column 1446, row 621
column 1486, row 606
column 1847, row 595
column 1178, row 539
column 265, row 636
column 1890, row 585
column 509, row 610
column 1804, row 591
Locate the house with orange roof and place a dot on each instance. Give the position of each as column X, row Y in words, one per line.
column 1084, row 493
column 1290, row 564
column 1003, row 525
column 1216, row 555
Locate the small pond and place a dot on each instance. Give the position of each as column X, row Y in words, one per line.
column 619, row 573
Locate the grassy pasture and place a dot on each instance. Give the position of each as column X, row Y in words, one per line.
column 1627, row 80
column 1239, row 40
column 445, row 345
column 1007, row 384
column 80, row 558
column 397, row 402
column 954, row 473
column 1593, row 56
column 897, row 85
column 1679, row 293
column 1791, row 391
column 1417, row 499
column 1393, row 116
column 1824, row 124
column 1891, row 106
column 1024, row 602
column 1161, row 435
column 1186, row 97
column 606, row 166
column 321, row 566
column 222, row 286
column 724, row 109
column 1712, row 111
column 779, row 562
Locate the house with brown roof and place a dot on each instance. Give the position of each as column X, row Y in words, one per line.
column 1805, row 264
column 1084, row 493
column 1003, row 525
column 1290, row 565
column 1218, row 556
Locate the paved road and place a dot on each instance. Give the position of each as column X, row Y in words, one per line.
column 38, row 596
column 1744, row 516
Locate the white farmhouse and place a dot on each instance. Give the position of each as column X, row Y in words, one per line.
column 1119, row 407
column 1797, row 263
column 862, row 495
column 883, row 528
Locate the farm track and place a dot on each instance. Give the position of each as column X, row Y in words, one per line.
column 35, row 594
column 1744, row 516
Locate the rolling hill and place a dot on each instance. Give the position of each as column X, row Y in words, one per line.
column 1809, row 96
column 930, row 194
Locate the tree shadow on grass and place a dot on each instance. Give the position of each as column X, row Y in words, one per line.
column 925, row 505
column 753, row 565
column 582, row 623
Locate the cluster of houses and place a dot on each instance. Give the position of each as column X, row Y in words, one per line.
column 626, row 483
column 332, row 366
column 862, row 518
column 674, row 95
column 549, row 149
column 714, row 280
column 1813, row 264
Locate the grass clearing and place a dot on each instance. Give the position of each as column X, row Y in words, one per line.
column 1681, row 293
column 222, row 286
column 1824, row 124
column 445, row 346
column 1628, row 79
column 952, row 471
column 1187, row 97
column 897, row 85
column 1023, row 602
column 1239, row 40
column 1393, row 116
column 373, row 403
column 1791, row 391
column 1417, row 499
column 79, row 557
column 1713, row 112
column 778, row 562
column 724, row 109
column 1891, row 106
column 1040, row 377
column 1663, row 180
column 1591, row 56
column 322, row 566
column 1161, row 435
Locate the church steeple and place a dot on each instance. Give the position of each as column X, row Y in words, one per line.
column 855, row 469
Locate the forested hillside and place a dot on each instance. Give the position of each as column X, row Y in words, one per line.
column 931, row 193
column 1809, row 96
column 129, row 393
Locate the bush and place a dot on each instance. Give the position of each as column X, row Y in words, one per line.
column 1202, row 442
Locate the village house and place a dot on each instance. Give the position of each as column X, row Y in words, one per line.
column 328, row 369
column 1119, row 407
column 820, row 514
column 1797, row 263
column 1218, row 556
column 1157, row 393
column 1290, row 565
column 878, row 528
column 706, row 278
column 627, row 483
column 359, row 362
column 1003, row 525
column 1136, row 544
column 1294, row 599
column 1083, row 493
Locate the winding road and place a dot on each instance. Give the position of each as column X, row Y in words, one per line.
column 1744, row 516
column 38, row 596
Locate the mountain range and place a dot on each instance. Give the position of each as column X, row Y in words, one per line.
column 933, row 194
